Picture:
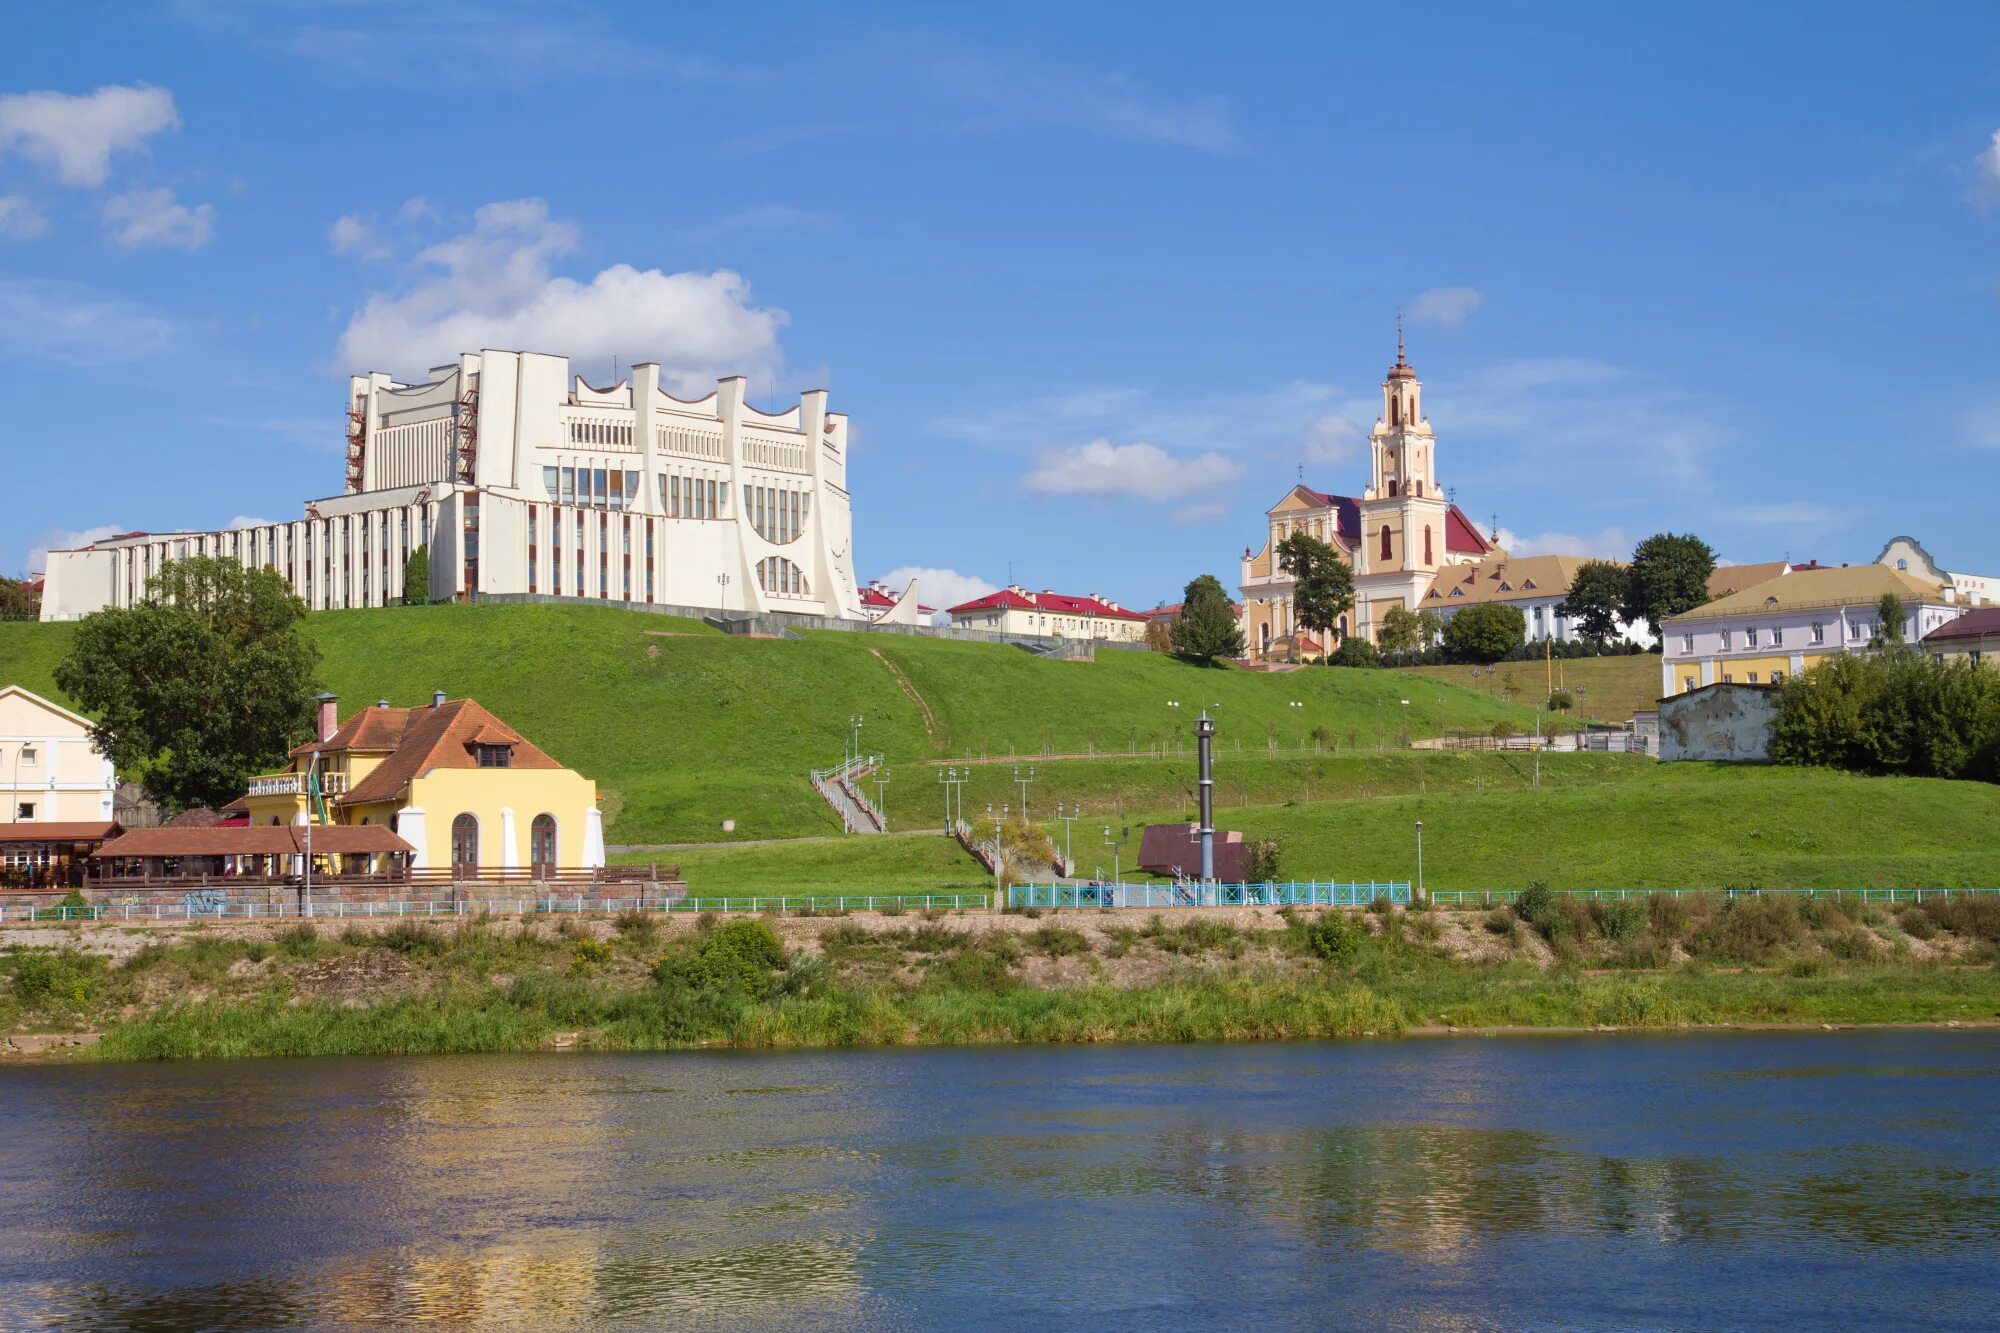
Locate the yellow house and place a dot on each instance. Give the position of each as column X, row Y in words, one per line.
column 464, row 789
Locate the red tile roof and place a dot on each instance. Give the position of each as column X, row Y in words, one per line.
column 1971, row 625
column 419, row 740
column 1056, row 603
column 875, row 599
column 1461, row 535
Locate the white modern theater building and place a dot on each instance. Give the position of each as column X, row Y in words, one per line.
column 521, row 480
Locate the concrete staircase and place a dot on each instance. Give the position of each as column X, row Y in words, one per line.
column 840, row 788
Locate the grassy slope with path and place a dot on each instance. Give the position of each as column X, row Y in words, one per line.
column 1613, row 687
column 685, row 729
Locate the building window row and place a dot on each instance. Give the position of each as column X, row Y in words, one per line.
column 777, row 515
column 591, row 487
column 775, row 574
column 615, row 434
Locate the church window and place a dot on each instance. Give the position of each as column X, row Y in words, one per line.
column 1385, row 541
column 1392, row 487
column 1427, row 539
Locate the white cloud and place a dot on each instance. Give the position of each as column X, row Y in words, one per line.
column 351, row 236
column 940, row 588
column 764, row 217
column 1446, row 307
column 20, row 220
column 58, row 539
column 1142, row 471
column 493, row 287
column 1114, row 105
column 155, row 217
column 416, row 208
column 77, row 135
column 63, row 321
column 1988, row 183
column 1610, row 544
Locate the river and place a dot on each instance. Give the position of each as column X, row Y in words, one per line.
column 1845, row 1180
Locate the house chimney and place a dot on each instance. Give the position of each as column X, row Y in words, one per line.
column 329, row 715
column 437, row 698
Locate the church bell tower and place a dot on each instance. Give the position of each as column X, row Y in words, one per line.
column 1403, row 510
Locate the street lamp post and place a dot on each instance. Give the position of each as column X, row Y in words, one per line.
column 1022, row 783
column 1420, row 858
column 1112, row 843
column 851, row 749
column 953, row 783
column 882, row 801
column 722, row 591
column 1204, row 738
column 1068, row 815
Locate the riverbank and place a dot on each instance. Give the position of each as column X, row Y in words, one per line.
column 639, row 982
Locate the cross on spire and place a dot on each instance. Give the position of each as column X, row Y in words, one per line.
column 1400, row 360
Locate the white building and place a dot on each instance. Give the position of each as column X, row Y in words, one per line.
column 1908, row 555
column 521, row 482
column 1015, row 610
column 50, row 769
column 1535, row 585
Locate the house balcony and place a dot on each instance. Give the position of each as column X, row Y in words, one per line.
column 294, row 784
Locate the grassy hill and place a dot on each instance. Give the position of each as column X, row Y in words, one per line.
column 1612, row 688
column 684, row 727
column 1680, row 826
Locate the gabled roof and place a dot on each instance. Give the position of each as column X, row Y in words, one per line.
column 1054, row 603
column 1738, row 578
column 49, row 704
column 1972, row 625
column 1461, row 536
column 1848, row 585
column 420, row 739
column 1504, row 579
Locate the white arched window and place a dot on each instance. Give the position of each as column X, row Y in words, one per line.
column 779, row 575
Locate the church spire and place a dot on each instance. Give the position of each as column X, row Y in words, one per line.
column 1402, row 370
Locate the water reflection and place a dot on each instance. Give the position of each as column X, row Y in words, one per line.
column 1635, row 1183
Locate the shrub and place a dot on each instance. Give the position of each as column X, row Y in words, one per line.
column 1500, row 921
column 636, row 925
column 1535, row 904
column 970, row 969
column 1380, row 905
column 1057, row 941
column 300, row 941
column 740, row 958
column 1200, row 936
column 1852, row 944
column 1355, row 652
column 1750, row 929
column 1917, row 923
column 1426, row 926
column 1621, row 919
column 1561, row 701
column 589, row 954
column 56, row 979
column 74, row 898
column 1334, row 937
column 412, row 937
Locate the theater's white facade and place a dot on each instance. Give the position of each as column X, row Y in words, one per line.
column 522, row 480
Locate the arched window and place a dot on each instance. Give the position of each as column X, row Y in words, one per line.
column 1392, row 487
column 1385, row 542
column 1427, row 543
column 1343, row 627
column 1394, row 418
column 542, row 845
column 777, row 574
column 464, row 845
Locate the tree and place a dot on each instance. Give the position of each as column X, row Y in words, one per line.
column 1668, row 575
column 1355, row 651
column 1205, row 627
column 1596, row 597
column 205, row 682
column 1401, row 631
column 1889, row 616
column 417, row 577
column 1322, row 583
column 1896, row 712
column 1159, row 636
column 18, row 599
column 1484, row 633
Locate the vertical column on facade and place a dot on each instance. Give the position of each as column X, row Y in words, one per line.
column 729, row 407
column 645, row 393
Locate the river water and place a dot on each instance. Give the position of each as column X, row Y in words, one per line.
column 1815, row 1180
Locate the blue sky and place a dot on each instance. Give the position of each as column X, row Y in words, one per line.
column 1094, row 282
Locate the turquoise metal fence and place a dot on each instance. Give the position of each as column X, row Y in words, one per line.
column 1307, row 894
column 1497, row 897
column 183, row 911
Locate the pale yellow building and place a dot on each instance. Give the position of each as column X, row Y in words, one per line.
column 464, row 789
column 50, row 770
column 1771, row 631
column 1972, row 637
column 1396, row 535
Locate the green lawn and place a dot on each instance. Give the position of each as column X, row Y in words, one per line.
column 1608, row 689
column 821, row 867
column 683, row 727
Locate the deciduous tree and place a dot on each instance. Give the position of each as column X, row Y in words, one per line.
column 1596, row 598
column 1484, row 633
column 1322, row 583
column 417, row 577
column 205, row 682
column 18, row 599
column 1668, row 575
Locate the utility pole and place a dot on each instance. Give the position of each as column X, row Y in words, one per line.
column 1022, row 783
column 1204, row 737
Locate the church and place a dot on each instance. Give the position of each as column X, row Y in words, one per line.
column 1399, row 534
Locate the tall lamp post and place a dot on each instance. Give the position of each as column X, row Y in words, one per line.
column 851, row 751
column 1068, row 815
column 1204, row 736
column 953, row 783
column 1022, row 783
column 882, row 801
column 1112, row 843
column 1420, row 858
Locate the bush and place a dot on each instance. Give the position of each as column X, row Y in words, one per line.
column 971, row 970
column 1917, row 923
column 1535, row 904
column 587, row 955
column 1621, row 919
column 1561, row 701
column 739, row 958
column 1057, row 941
column 1751, row 929
column 56, row 979
column 636, row 925
column 1484, row 633
column 1334, row 937
column 1355, row 651
column 412, row 937
column 300, row 941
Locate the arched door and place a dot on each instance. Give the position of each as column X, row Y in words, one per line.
column 542, row 846
column 464, row 846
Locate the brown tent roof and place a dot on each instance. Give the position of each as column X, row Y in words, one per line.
column 55, row 831
column 255, row 840
column 1972, row 625
column 199, row 816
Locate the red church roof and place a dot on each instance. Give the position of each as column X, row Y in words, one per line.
column 1461, row 537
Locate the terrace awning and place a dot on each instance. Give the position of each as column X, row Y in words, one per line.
column 57, row 833
column 256, row 840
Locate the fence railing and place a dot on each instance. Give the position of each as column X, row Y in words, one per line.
column 401, row 877
column 1499, row 897
column 578, row 903
column 1194, row 894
